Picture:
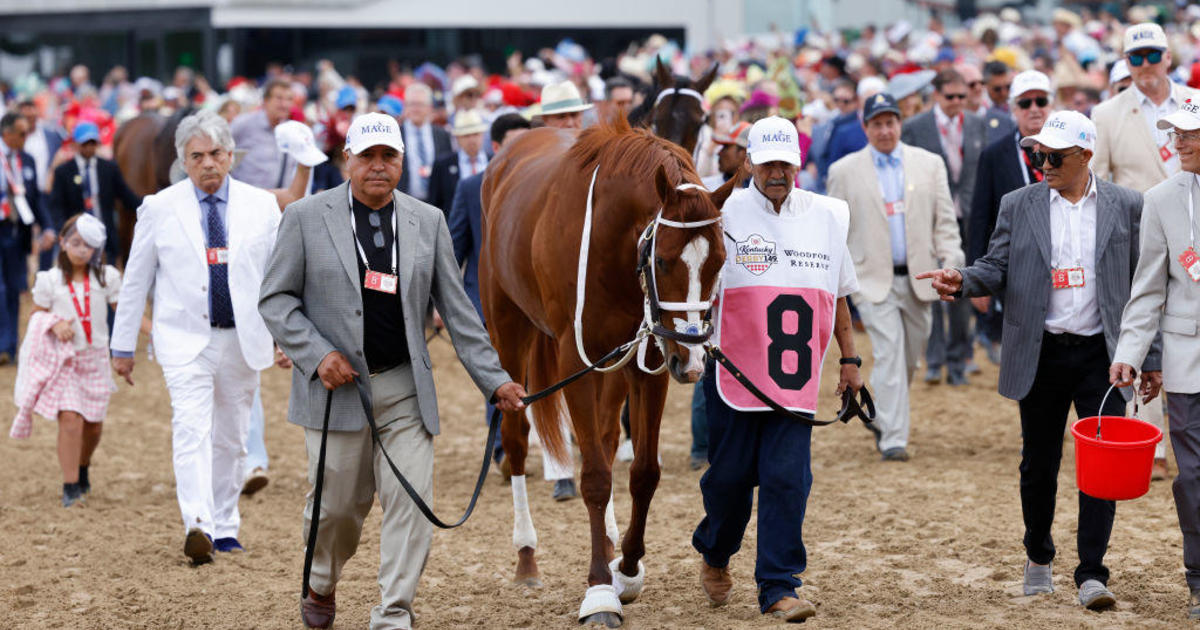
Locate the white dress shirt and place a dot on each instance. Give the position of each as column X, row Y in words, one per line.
column 1074, row 310
column 1152, row 113
column 468, row 166
column 37, row 147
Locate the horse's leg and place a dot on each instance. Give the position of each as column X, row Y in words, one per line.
column 647, row 397
column 612, row 395
column 601, row 604
column 514, row 431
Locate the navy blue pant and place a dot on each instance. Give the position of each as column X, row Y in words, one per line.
column 699, row 422
column 12, row 283
column 748, row 449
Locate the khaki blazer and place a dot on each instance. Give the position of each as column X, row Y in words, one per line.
column 1164, row 296
column 1126, row 153
column 931, row 229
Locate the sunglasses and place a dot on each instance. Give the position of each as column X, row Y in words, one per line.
column 1152, row 57
column 955, row 97
column 974, row 84
column 1026, row 103
column 377, row 225
column 1055, row 159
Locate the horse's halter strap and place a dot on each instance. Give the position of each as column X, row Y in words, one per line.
column 684, row 91
column 651, row 322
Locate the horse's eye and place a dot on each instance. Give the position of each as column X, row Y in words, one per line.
column 658, row 262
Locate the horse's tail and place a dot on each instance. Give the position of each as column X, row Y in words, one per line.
column 550, row 412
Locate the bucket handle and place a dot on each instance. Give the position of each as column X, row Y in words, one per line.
column 1100, row 411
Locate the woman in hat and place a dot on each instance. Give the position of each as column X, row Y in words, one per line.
column 64, row 372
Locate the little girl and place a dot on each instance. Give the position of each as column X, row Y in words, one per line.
column 75, row 295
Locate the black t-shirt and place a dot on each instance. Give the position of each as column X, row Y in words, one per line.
column 383, row 316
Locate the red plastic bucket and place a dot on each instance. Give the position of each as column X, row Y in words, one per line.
column 1114, row 456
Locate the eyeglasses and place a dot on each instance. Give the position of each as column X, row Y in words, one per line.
column 1026, row 103
column 954, row 97
column 1152, row 57
column 1178, row 137
column 377, row 225
column 1055, row 159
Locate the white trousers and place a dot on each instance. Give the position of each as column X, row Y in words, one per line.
column 211, row 398
column 899, row 329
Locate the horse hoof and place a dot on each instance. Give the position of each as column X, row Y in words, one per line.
column 531, row 581
column 627, row 587
column 605, row 619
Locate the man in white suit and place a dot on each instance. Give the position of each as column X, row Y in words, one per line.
column 1132, row 151
column 203, row 245
column 1166, row 296
column 902, row 221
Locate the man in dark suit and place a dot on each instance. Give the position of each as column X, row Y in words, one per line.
column 1063, row 255
column 42, row 145
column 470, row 159
column 91, row 184
column 998, row 119
column 466, row 229
column 958, row 137
column 20, row 210
column 423, row 141
column 1004, row 167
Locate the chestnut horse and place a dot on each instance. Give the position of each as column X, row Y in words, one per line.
column 654, row 226
column 144, row 150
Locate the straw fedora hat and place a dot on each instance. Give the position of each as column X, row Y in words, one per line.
column 562, row 98
column 467, row 122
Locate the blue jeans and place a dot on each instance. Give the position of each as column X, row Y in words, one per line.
column 748, row 449
column 256, row 446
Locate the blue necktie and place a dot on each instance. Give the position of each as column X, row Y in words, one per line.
column 887, row 159
column 220, row 304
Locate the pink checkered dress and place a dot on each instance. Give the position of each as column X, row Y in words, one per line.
column 83, row 385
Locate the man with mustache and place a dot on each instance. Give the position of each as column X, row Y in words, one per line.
column 1063, row 256
column 902, row 221
column 1005, row 166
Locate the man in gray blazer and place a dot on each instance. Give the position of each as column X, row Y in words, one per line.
column 345, row 294
column 1166, row 295
column 1063, row 256
column 957, row 136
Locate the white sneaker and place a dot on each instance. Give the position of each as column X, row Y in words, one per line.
column 625, row 451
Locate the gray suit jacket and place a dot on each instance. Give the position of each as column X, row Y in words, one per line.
column 1017, row 268
column 311, row 300
column 1164, row 295
column 921, row 131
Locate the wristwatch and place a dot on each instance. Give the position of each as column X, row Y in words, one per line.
column 851, row 361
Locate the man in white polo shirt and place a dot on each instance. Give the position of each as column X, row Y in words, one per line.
column 787, row 262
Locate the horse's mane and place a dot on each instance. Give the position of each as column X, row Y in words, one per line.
column 619, row 149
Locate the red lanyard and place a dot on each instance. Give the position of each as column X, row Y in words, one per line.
column 944, row 130
column 84, row 312
column 1036, row 173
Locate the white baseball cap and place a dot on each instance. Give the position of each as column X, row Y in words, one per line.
column 296, row 139
column 1029, row 81
column 1065, row 129
column 1119, row 72
column 1145, row 35
column 1187, row 117
column 373, row 129
column 774, row 139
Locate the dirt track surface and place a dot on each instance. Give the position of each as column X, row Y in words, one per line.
column 934, row 543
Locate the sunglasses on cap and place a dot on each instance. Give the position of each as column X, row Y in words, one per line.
column 1026, row 103
column 1055, row 159
column 1152, row 57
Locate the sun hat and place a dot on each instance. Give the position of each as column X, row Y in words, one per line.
column 562, row 98
column 468, row 122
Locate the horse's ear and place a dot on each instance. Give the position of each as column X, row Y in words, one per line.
column 702, row 85
column 662, row 75
column 664, row 187
column 720, row 195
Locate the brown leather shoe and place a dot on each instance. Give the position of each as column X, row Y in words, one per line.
column 198, row 546
column 791, row 609
column 717, row 584
column 317, row 611
column 1159, row 471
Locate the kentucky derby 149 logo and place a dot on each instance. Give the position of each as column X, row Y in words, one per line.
column 756, row 254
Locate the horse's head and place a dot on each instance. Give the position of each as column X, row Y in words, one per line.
column 678, row 110
column 682, row 254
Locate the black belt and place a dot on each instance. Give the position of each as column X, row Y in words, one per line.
column 1069, row 339
column 377, row 371
column 900, row 270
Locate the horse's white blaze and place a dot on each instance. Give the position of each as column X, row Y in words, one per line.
column 694, row 254
column 523, row 533
column 610, row 524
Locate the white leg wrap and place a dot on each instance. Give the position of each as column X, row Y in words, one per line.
column 610, row 524
column 628, row 588
column 600, row 598
column 523, row 533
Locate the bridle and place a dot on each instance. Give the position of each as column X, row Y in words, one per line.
column 678, row 91
column 652, row 307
